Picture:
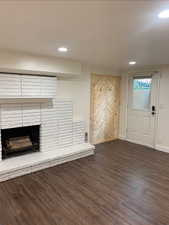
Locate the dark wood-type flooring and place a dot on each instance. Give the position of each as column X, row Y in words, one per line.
column 122, row 184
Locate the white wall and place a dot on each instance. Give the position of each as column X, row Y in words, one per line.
column 123, row 107
column 163, row 120
column 78, row 90
column 162, row 138
column 19, row 62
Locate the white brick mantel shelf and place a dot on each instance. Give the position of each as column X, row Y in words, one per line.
column 32, row 100
column 23, row 99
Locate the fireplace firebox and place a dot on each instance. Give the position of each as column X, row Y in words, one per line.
column 19, row 141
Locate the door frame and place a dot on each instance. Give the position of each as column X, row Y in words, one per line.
column 144, row 74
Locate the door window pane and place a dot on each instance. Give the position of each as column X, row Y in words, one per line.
column 141, row 93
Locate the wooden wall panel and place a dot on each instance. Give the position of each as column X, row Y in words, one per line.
column 105, row 104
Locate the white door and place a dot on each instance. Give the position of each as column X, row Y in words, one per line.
column 142, row 109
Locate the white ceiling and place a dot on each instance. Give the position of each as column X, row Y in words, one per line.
column 105, row 33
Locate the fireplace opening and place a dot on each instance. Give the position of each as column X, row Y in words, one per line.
column 19, row 141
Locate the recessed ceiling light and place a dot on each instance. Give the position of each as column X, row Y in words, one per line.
column 164, row 14
column 62, row 49
column 132, row 62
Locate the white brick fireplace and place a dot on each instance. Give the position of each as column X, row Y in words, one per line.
column 27, row 100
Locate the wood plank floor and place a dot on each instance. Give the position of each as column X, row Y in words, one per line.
column 123, row 184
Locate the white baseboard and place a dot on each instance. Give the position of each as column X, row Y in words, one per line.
column 46, row 160
column 133, row 141
column 139, row 143
column 162, row 148
column 122, row 137
column 158, row 147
